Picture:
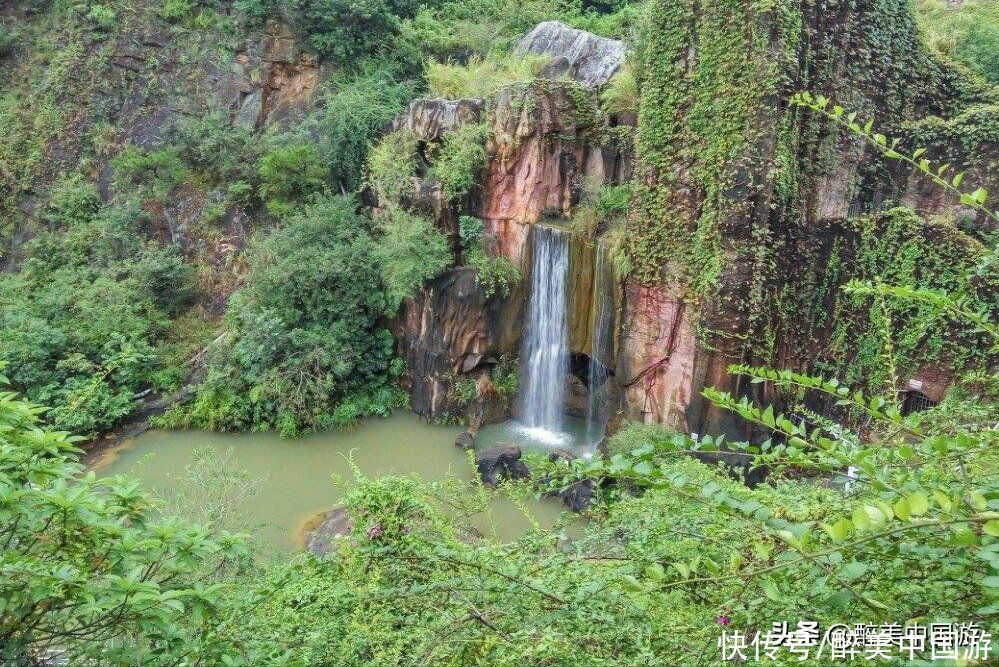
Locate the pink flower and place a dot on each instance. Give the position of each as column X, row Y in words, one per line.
column 374, row 531
column 723, row 620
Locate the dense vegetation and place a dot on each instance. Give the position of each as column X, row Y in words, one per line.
column 162, row 235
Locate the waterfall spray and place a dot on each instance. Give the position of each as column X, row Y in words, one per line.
column 546, row 341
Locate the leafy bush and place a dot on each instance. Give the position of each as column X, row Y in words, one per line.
column 79, row 324
column 221, row 150
column 305, row 347
column 968, row 32
column 460, row 158
column 496, row 273
column 89, row 569
column 288, row 174
column 157, row 173
column 176, row 10
column 392, row 165
column 347, row 30
column 411, row 250
column 620, row 97
column 103, row 17
column 356, row 109
column 483, row 76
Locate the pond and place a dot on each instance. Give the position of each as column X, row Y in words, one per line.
column 295, row 483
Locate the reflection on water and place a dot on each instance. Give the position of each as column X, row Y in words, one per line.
column 296, row 483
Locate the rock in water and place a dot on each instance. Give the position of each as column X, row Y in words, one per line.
column 464, row 441
column 501, row 462
column 336, row 523
column 576, row 496
column 587, row 58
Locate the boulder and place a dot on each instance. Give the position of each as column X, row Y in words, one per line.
column 501, row 462
column 465, row 441
column 334, row 524
column 428, row 119
column 590, row 59
column 576, row 496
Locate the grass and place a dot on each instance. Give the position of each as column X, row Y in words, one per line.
column 483, row 76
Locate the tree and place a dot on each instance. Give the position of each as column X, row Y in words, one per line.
column 87, row 568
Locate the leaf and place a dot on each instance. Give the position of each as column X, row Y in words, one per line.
column 917, row 153
column 991, row 582
column 655, row 571
column 918, row 504
column 902, row 509
column 839, row 599
column 956, row 181
column 770, row 590
column 992, row 528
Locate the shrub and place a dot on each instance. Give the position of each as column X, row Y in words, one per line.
column 347, row 30
column 496, row 274
column 81, row 320
column 90, row 568
column 305, row 333
column 221, row 150
column 103, row 18
column 483, row 76
column 620, row 97
column 288, row 174
column 176, row 10
column 411, row 250
column 968, row 32
column 392, row 165
column 157, row 172
column 356, row 110
column 460, row 158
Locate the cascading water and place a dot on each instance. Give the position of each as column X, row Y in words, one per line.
column 600, row 343
column 546, row 340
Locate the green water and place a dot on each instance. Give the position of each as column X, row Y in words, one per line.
column 295, row 475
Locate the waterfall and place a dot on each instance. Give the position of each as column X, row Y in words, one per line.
column 546, row 340
column 600, row 343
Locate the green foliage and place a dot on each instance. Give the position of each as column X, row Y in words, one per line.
column 289, row 173
column 222, row 151
column 80, row 322
column 411, row 250
column 356, row 110
column 103, row 17
column 392, row 165
column 620, row 97
column 155, row 173
column 305, row 348
column 482, row 76
column 495, row 273
column 347, row 30
column 460, row 159
column 176, row 10
column 89, row 569
column 968, row 32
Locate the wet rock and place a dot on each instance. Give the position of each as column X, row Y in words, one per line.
column 501, row 462
column 450, row 328
column 464, row 441
column 576, row 496
column 583, row 56
column 335, row 524
column 429, row 119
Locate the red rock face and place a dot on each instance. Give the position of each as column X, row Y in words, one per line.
column 449, row 329
column 658, row 355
